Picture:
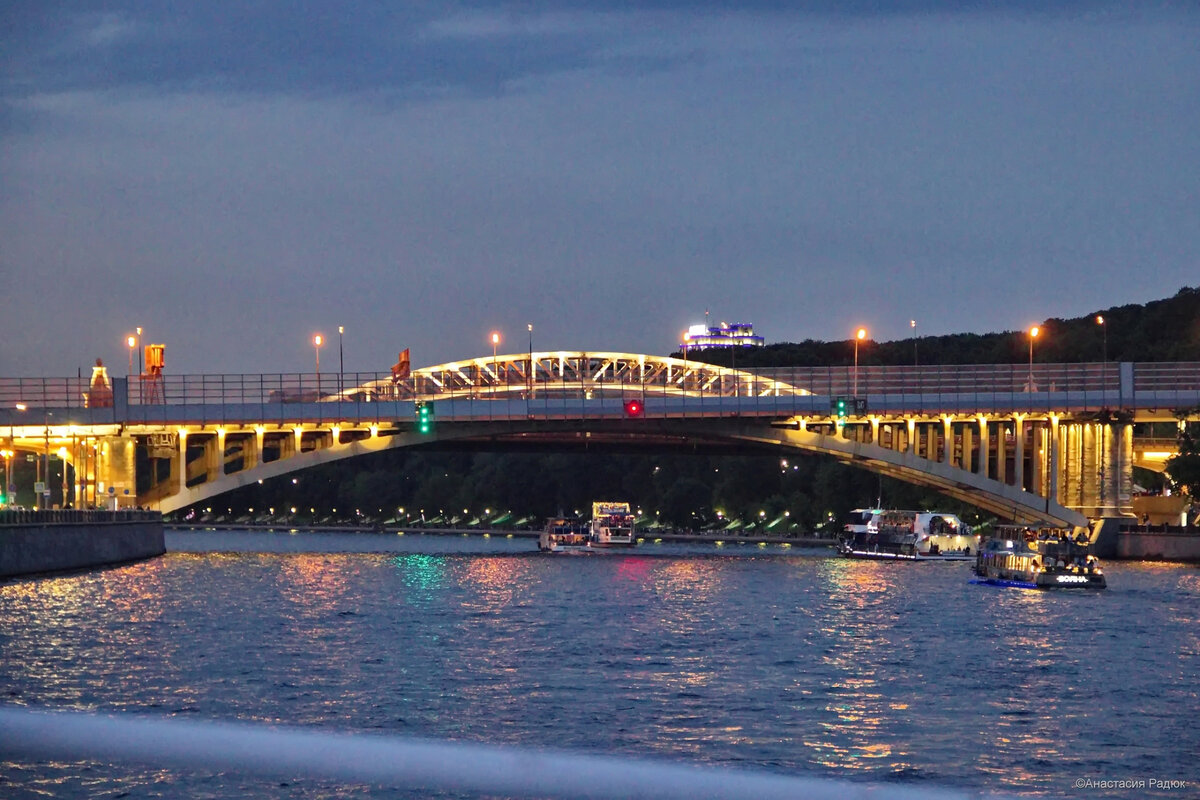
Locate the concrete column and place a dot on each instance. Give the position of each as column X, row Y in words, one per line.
column 985, row 446
column 220, row 454
column 968, row 444
column 1037, row 458
column 1053, row 451
column 874, row 431
column 1019, row 455
column 178, row 477
column 948, row 438
column 910, row 443
column 1002, row 452
column 931, row 441
column 252, row 449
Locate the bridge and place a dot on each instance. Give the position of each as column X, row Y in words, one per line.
column 1037, row 442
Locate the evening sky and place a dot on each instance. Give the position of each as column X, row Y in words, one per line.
column 236, row 176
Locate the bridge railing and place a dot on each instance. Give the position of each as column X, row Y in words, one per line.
column 982, row 388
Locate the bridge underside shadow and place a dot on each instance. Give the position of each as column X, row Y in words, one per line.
column 665, row 435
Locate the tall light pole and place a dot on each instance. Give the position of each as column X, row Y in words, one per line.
column 318, row 340
column 858, row 337
column 7, row 488
column 529, row 374
column 1104, row 331
column 139, row 349
column 341, row 363
column 912, row 323
column 1033, row 334
column 495, row 342
column 132, row 342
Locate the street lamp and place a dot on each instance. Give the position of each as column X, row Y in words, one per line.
column 341, row 363
column 529, row 374
column 132, row 342
column 858, row 337
column 7, row 488
column 318, row 340
column 1033, row 334
column 139, row 341
column 495, row 341
column 912, row 323
column 1104, row 331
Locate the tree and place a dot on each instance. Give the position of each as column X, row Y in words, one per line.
column 1184, row 468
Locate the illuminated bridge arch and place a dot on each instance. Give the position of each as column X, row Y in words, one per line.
column 570, row 373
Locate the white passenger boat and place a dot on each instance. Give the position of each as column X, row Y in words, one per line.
column 1039, row 558
column 564, row 536
column 910, row 536
column 612, row 525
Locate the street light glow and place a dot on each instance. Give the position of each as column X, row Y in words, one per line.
column 1034, row 331
column 862, row 333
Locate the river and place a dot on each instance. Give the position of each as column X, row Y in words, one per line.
column 767, row 658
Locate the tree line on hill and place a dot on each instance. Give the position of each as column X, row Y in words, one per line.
column 806, row 492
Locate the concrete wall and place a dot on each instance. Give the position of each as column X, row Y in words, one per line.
column 1159, row 546
column 51, row 547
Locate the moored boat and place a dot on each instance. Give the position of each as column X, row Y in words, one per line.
column 1039, row 558
column 909, row 536
column 564, row 536
column 612, row 525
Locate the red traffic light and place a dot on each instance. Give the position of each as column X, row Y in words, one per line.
column 634, row 408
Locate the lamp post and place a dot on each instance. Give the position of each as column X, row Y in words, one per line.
column 1104, row 332
column 7, row 488
column 139, row 349
column 341, row 363
column 529, row 374
column 132, row 342
column 912, row 323
column 318, row 340
column 495, row 342
column 1033, row 334
column 858, row 337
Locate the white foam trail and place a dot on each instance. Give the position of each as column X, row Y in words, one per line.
column 289, row 753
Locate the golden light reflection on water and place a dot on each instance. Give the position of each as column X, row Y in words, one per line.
column 859, row 624
column 314, row 582
column 493, row 582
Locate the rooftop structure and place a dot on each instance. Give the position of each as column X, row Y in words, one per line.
column 738, row 334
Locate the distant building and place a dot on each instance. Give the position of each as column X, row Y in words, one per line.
column 739, row 334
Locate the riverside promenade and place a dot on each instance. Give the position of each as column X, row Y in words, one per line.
column 711, row 537
column 34, row 542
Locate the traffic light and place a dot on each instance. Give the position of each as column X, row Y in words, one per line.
column 634, row 408
column 840, row 410
column 424, row 417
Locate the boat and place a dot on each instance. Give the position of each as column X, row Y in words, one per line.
column 612, row 525
column 909, row 536
column 564, row 536
column 1039, row 558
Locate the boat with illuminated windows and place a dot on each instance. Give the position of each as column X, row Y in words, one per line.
column 565, row 536
column 612, row 525
column 1039, row 558
column 908, row 536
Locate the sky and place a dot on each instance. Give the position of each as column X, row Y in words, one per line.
column 234, row 177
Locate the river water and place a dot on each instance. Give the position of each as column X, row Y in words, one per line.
column 783, row 660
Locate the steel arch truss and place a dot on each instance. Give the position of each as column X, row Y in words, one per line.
column 570, row 374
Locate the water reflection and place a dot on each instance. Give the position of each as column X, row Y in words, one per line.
column 859, row 643
column 826, row 666
column 423, row 576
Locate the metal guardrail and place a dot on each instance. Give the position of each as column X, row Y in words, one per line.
column 11, row 517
